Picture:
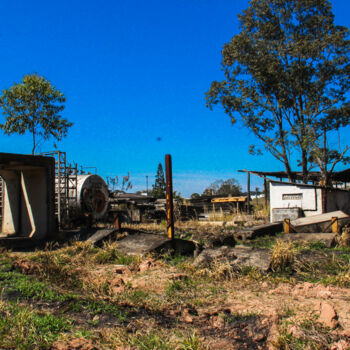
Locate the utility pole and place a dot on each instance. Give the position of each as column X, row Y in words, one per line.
column 169, row 197
column 147, row 184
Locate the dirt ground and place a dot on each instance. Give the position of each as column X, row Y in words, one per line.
column 82, row 297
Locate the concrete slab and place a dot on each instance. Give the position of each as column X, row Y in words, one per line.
column 143, row 243
column 315, row 219
column 100, row 235
column 327, row 238
column 261, row 230
column 321, row 222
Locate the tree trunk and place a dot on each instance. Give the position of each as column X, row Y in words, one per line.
column 33, row 132
column 304, row 166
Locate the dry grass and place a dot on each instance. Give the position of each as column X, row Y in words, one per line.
column 283, row 255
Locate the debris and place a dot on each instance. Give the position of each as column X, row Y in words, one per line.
column 261, row 230
column 328, row 239
column 99, row 235
column 328, row 315
column 212, row 240
column 239, row 257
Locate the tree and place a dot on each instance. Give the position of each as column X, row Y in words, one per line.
column 159, row 187
column 34, row 105
column 229, row 187
column 286, row 78
column 114, row 184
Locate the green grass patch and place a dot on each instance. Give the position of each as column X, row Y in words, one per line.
column 23, row 328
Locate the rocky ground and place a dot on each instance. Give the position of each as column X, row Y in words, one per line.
column 263, row 294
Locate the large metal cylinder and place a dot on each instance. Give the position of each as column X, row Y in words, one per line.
column 92, row 196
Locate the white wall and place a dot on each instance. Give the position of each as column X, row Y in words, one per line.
column 311, row 202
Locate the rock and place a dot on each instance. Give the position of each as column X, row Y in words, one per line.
column 211, row 240
column 146, row 265
column 218, row 322
column 239, row 257
column 324, row 294
column 346, row 332
column 122, row 269
column 77, row 343
column 259, row 336
column 328, row 315
column 340, row 345
column 295, row 331
column 186, row 316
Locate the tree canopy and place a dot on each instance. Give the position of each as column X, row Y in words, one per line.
column 287, row 78
column 223, row 188
column 34, row 105
column 159, row 187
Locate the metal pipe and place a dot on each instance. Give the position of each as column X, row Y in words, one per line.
column 169, row 197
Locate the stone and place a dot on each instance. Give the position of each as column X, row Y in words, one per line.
column 212, row 240
column 295, row 331
column 186, row 316
column 340, row 345
column 324, row 294
column 328, row 315
column 146, row 265
column 239, row 257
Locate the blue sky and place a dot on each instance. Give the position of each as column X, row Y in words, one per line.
column 134, row 71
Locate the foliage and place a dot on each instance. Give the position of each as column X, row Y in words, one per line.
column 34, row 105
column 286, row 79
column 159, row 187
column 223, row 188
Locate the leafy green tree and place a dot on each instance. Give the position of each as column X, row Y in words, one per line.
column 229, row 187
column 159, row 187
column 34, row 105
column 287, row 78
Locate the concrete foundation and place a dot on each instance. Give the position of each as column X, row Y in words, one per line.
column 28, row 195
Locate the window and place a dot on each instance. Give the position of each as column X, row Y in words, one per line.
column 292, row 196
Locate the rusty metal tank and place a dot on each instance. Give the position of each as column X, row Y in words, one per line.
column 92, row 195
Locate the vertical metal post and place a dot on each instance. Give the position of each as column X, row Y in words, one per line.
column 265, row 191
column 169, row 197
column 147, row 184
column 248, row 190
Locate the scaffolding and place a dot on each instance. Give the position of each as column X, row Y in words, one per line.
column 66, row 179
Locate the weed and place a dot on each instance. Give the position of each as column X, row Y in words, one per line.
column 22, row 328
column 283, row 255
column 190, row 342
column 150, row 341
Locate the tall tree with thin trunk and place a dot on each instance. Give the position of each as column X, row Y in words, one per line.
column 287, row 75
column 34, row 106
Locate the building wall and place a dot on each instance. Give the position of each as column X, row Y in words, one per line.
column 283, row 196
column 338, row 200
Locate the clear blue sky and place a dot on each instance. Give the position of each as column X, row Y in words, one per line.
column 134, row 71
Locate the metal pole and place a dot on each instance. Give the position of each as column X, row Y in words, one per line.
column 248, row 190
column 147, row 184
column 169, row 197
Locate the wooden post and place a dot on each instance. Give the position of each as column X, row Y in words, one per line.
column 169, row 197
column 286, row 225
column 248, row 190
column 265, row 191
column 335, row 226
